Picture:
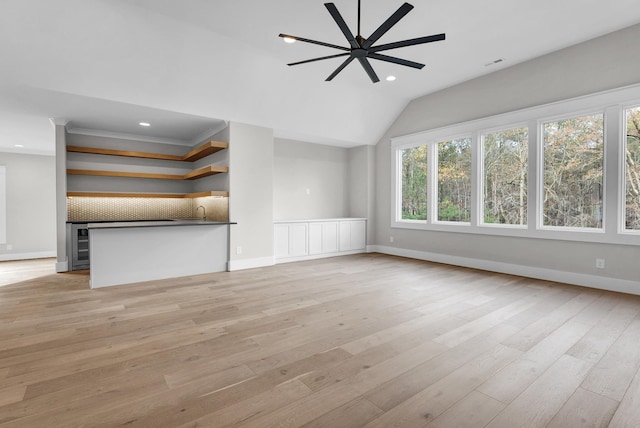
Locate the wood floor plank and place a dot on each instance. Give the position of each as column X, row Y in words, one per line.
column 474, row 410
column 344, row 341
column 585, row 409
column 12, row 395
column 350, row 415
column 24, row 270
column 539, row 403
column 477, row 326
column 386, row 365
column 208, row 395
column 541, row 328
column 507, row 384
column 628, row 413
column 431, row 402
column 593, row 346
column 410, row 382
column 614, row 372
column 252, row 408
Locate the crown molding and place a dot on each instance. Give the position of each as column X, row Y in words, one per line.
column 209, row 133
column 58, row 121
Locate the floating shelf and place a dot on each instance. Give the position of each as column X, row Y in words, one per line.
column 205, row 172
column 204, row 150
column 199, row 152
column 193, row 175
column 217, row 193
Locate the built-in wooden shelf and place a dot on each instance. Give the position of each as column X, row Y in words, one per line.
column 205, row 172
column 193, row 175
column 204, row 150
column 217, row 193
column 199, row 152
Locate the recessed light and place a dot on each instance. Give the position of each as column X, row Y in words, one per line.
column 391, row 78
column 144, row 124
column 18, row 145
column 289, row 39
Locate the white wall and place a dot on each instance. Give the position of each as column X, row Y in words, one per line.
column 593, row 66
column 321, row 170
column 3, row 204
column 62, row 261
column 250, row 195
column 361, row 179
column 30, row 206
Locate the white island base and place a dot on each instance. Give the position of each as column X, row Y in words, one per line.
column 123, row 255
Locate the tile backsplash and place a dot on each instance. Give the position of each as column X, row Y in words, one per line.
column 104, row 208
column 87, row 208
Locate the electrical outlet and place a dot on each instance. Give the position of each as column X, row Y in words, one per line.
column 9, row 247
column 600, row 263
column 391, row 239
column 238, row 249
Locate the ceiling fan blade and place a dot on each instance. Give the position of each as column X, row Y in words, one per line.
column 318, row 59
column 367, row 67
column 386, row 25
column 409, row 42
column 339, row 69
column 315, row 42
column 395, row 60
column 333, row 10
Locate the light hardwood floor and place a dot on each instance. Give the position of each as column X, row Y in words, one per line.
column 366, row 340
column 21, row 270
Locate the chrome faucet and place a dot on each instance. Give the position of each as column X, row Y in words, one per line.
column 204, row 212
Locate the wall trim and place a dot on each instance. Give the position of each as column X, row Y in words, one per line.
column 62, row 266
column 27, row 256
column 584, row 280
column 250, row 263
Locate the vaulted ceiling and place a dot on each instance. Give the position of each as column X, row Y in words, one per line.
column 186, row 65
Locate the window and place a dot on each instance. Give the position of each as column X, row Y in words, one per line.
column 505, row 162
column 532, row 173
column 454, row 180
column 632, row 169
column 573, row 165
column 414, row 183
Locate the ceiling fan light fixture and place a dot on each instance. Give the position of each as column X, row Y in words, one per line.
column 364, row 49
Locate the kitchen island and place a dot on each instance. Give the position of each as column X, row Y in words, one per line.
column 128, row 252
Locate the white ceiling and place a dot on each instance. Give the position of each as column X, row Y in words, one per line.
column 109, row 64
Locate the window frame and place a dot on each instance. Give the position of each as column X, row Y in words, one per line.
column 398, row 211
column 540, row 173
column 433, row 146
column 480, row 162
column 611, row 104
column 623, row 168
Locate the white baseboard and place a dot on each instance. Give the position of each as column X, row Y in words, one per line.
column 27, row 256
column 62, row 266
column 591, row 281
column 250, row 263
column 317, row 256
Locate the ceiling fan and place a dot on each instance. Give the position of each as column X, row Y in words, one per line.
column 362, row 49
